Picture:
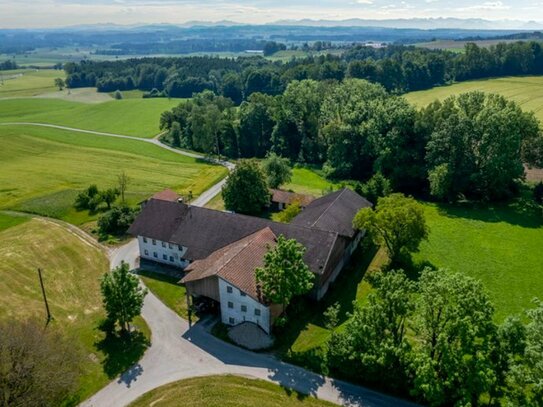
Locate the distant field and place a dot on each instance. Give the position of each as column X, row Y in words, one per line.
column 131, row 117
column 71, row 271
column 458, row 46
column 42, row 169
column 526, row 91
column 226, row 391
column 23, row 83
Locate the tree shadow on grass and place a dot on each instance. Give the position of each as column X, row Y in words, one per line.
column 122, row 352
column 522, row 211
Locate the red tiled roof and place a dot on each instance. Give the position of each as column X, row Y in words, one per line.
column 235, row 263
column 287, row 197
column 166, row 195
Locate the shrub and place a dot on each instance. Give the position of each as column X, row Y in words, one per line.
column 117, row 220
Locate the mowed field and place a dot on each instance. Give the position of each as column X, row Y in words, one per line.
column 526, row 91
column 130, row 117
column 225, row 391
column 23, row 82
column 42, row 169
column 72, row 268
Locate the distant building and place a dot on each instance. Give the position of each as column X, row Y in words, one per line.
column 220, row 251
column 281, row 199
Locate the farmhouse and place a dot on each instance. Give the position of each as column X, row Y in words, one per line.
column 220, row 251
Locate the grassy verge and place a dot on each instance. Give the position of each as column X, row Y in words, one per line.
column 43, row 169
column 71, row 270
column 225, row 391
column 168, row 290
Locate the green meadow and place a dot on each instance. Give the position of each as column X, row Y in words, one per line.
column 526, row 91
column 24, row 83
column 131, row 117
column 43, row 169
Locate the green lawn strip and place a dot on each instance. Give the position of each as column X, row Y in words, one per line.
column 9, row 221
column 131, row 117
column 71, row 274
column 499, row 245
column 225, row 391
column 168, row 290
column 527, row 91
column 43, row 169
column 307, row 180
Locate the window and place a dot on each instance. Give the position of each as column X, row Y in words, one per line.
column 230, row 304
column 229, row 289
column 146, row 252
column 257, row 312
column 154, row 242
column 180, row 247
column 165, row 257
column 144, row 240
column 155, row 254
column 231, row 320
column 170, row 245
column 171, row 259
column 242, row 293
column 244, row 308
column 163, row 244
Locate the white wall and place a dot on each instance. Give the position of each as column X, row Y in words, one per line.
column 173, row 252
column 238, row 300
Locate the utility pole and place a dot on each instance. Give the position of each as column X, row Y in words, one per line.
column 49, row 318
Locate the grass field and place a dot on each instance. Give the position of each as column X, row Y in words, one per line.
column 498, row 245
column 526, row 91
column 168, row 290
column 42, row 169
column 131, row 117
column 22, row 83
column 225, row 391
column 458, row 46
column 71, row 270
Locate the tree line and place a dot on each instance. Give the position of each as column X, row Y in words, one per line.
column 398, row 68
column 473, row 145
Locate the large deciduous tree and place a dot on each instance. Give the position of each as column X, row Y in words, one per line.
column 373, row 346
column 38, row 367
column 246, row 190
column 277, row 170
column 397, row 222
column 285, row 273
column 122, row 296
column 453, row 359
column 477, row 145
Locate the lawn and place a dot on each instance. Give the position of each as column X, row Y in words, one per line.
column 131, row 117
column 224, row 391
column 526, row 91
column 31, row 82
column 71, row 271
column 168, row 290
column 500, row 245
column 42, row 169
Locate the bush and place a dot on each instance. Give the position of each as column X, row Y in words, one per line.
column 118, row 95
column 290, row 212
column 88, row 199
column 377, row 187
column 117, row 220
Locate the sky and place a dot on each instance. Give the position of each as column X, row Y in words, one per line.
column 55, row 13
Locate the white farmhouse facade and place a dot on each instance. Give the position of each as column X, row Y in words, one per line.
column 162, row 252
column 238, row 307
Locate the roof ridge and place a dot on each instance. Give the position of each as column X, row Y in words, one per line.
column 328, row 207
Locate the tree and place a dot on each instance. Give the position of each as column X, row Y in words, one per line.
column 122, row 296
column 453, row 360
column 59, row 83
column 290, row 212
column 38, row 367
column 373, row 346
column 285, row 273
column 538, row 193
column 277, row 170
column 118, row 95
column 109, row 195
column 175, row 134
column 245, row 190
column 376, row 187
column 123, row 181
column 397, row 222
column 117, row 220
column 89, row 199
